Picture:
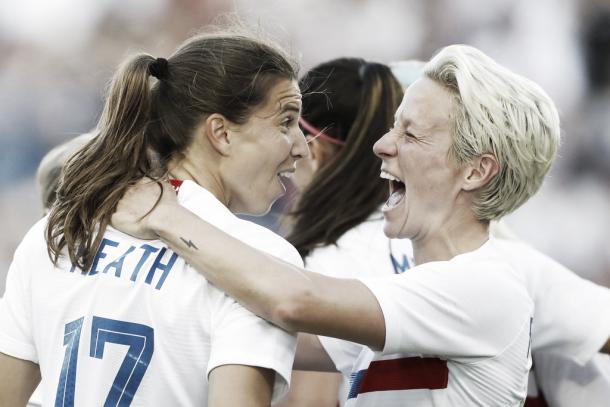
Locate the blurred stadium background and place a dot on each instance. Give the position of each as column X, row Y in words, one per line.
column 57, row 56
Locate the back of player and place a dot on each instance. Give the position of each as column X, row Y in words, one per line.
column 139, row 323
column 142, row 327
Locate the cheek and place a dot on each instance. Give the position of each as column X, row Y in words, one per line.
column 284, row 145
column 426, row 174
column 305, row 168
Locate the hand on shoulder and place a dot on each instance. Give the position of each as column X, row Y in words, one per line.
column 143, row 208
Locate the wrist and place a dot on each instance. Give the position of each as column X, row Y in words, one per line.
column 161, row 217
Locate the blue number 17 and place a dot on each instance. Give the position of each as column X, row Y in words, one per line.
column 141, row 341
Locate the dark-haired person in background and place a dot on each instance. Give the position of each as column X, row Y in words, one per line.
column 337, row 224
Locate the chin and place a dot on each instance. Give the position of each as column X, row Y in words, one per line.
column 395, row 229
column 260, row 208
column 260, row 212
column 389, row 230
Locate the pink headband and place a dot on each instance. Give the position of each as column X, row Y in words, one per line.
column 318, row 133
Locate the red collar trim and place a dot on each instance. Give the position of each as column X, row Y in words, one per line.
column 176, row 183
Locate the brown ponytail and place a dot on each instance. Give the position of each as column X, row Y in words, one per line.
column 96, row 177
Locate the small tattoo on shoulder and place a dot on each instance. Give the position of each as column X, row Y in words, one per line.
column 189, row 243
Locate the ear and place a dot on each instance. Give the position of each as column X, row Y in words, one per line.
column 216, row 129
column 480, row 172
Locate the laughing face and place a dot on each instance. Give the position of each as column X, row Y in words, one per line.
column 424, row 181
column 265, row 151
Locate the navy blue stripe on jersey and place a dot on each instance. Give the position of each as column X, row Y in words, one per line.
column 355, row 381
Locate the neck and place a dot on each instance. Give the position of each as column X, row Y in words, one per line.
column 451, row 241
column 185, row 169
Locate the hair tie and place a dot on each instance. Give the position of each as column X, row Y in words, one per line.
column 362, row 70
column 368, row 67
column 159, row 68
column 316, row 133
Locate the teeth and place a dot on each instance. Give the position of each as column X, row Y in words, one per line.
column 387, row 175
column 395, row 199
column 286, row 174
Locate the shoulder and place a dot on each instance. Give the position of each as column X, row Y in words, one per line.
column 540, row 271
column 34, row 240
column 266, row 240
column 203, row 204
column 474, row 306
column 364, row 234
column 360, row 252
column 31, row 255
column 473, row 279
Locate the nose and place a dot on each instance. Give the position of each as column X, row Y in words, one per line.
column 385, row 147
column 300, row 148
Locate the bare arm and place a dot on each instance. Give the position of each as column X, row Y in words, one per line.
column 18, row 379
column 293, row 298
column 311, row 355
column 290, row 297
column 238, row 385
column 313, row 389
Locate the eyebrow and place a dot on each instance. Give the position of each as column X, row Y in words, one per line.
column 290, row 107
column 398, row 118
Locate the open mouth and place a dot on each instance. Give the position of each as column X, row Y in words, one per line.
column 286, row 174
column 396, row 189
column 283, row 176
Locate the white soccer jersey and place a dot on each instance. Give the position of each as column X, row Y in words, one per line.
column 571, row 323
column 570, row 315
column 565, row 383
column 445, row 343
column 363, row 251
column 143, row 328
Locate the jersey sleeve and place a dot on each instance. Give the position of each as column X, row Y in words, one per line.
column 16, row 337
column 453, row 312
column 238, row 337
column 320, row 263
column 571, row 316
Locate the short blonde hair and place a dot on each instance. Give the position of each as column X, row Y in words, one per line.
column 498, row 112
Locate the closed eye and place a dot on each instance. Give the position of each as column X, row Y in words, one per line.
column 288, row 121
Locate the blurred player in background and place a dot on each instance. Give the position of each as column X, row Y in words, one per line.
column 50, row 168
column 114, row 320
